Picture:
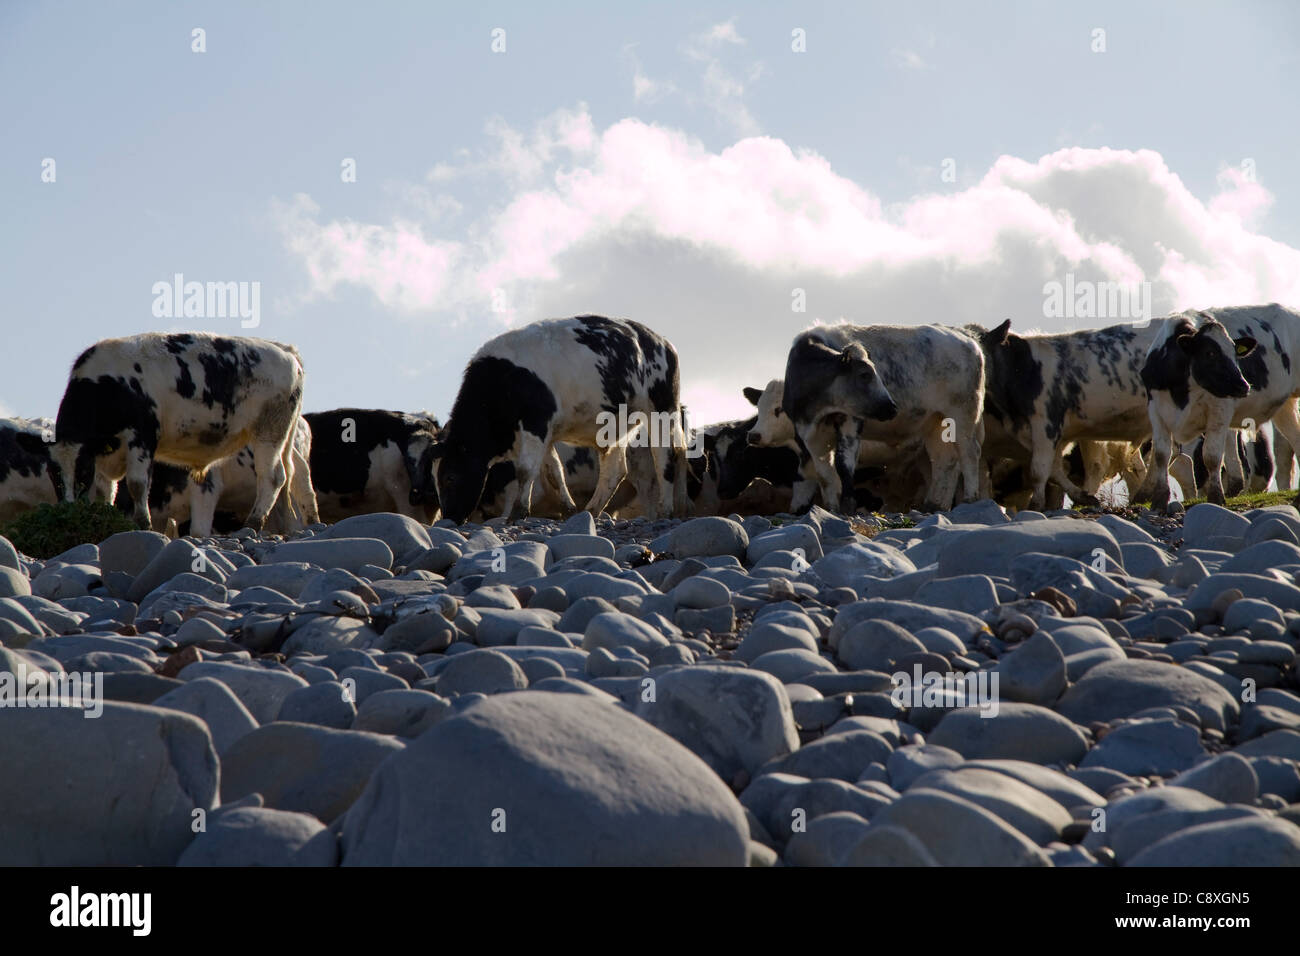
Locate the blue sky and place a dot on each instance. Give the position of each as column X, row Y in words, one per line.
column 679, row 164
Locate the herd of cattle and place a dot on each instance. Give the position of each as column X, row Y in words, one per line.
column 207, row 431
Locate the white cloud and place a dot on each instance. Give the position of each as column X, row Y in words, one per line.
column 722, row 91
column 644, row 221
column 909, row 59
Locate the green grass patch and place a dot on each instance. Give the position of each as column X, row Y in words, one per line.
column 1261, row 499
column 48, row 530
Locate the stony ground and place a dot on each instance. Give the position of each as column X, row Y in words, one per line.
column 712, row 691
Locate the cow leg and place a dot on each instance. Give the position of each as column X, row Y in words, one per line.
column 204, row 496
column 1283, row 449
column 819, row 439
column 1059, row 476
column 139, row 469
column 1040, row 469
column 612, row 467
column 528, row 468
column 285, row 515
column 942, row 486
column 967, row 451
column 802, row 493
column 846, row 463
column 1158, row 474
column 1183, row 471
column 665, row 474
column 304, row 494
column 1233, row 447
column 268, row 465
column 553, row 475
column 1286, row 440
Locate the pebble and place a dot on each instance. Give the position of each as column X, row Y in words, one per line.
column 757, row 654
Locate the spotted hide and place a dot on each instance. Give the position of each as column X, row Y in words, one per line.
column 1215, row 370
column 1044, row 392
column 187, row 399
column 365, row 460
column 551, row 381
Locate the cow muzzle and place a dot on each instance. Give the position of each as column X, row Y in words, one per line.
column 885, row 411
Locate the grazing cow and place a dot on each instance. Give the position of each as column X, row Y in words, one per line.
column 1046, row 391
column 890, row 384
column 365, row 460
column 588, row 381
column 226, row 492
column 887, row 475
column 24, row 467
column 187, row 399
column 1210, row 371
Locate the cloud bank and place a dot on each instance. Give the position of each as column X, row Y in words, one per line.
column 717, row 249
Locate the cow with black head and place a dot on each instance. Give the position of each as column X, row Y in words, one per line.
column 1211, row 371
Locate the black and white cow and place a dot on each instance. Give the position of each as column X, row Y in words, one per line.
column 365, row 460
column 24, row 467
column 1044, row 392
column 892, row 384
column 187, row 399
column 893, row 476
column 228, row 489
column 1210, row 371
column 588, row 381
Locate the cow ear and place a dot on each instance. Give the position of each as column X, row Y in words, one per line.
column 1187, row 343
column 753, row 394
column 1245, row 345
column 999, row 335
column 852, row 352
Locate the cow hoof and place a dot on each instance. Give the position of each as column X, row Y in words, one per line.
column 517, row 514
column 1215, row 497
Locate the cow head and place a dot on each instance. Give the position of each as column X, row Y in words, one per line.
column 70, row 465
column 772, row 425
column 859, row 385
column 459, row 474
column 1214, row 357
column 729, row 459
column 418, row 457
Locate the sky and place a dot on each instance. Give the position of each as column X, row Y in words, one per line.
column 403, row 181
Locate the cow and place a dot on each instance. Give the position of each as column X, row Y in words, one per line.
column 1044, row 392
column 365, row 460
column 187, row 399
column 1211, row 371
column 587, row 380
column 891, row 384
column 227, row 490
column 890, row 476
column 24, row 467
